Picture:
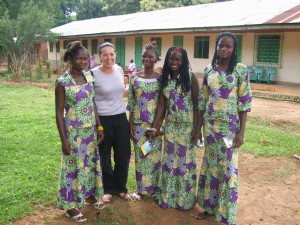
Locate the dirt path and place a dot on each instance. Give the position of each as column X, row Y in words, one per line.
column 269, row 190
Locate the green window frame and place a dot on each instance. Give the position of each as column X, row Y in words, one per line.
column 85, row 43
column 239, row 39
column 94, row 46
column 178, row 41
column 201, row 47
column 268, row 49
column 120, row 51
column 158, row 44
column 50, row 46
column 57, row 47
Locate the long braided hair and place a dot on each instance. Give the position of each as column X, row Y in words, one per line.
column 233, row 60
column 184, row 78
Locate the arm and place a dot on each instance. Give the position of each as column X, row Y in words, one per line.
column 195, row 92
column 202, row 101
column 59, row 110
column 100, row 133
column 130, row 106
column 239, row 139
column 131, row 125
column 244, row 104
column 159, row 115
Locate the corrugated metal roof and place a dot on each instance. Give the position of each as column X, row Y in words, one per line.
column 204, row 16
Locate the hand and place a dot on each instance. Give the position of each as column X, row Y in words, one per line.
column 132, row 131
column 152, row 134
column 239, row 140
column 100, row 136
column 66, row 147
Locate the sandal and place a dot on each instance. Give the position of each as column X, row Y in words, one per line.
column 107, row 198
column 97, row 205
column 130, row 197
column 136, row 196
column 77, row 218
column 203, row 215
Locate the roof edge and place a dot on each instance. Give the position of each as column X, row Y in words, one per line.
column 243, row 28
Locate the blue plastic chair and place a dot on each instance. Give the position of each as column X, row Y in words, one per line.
column 258, row 73
column 271, row 71
column 250, row 72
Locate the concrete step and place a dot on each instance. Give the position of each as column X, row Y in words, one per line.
column 276, row 96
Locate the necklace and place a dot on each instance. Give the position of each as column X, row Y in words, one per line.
column 144, row 76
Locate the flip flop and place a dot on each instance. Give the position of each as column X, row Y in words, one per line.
column 203, row 215
column 107, row 198
column 129, row 197
column 97, row 205
column 77, row 218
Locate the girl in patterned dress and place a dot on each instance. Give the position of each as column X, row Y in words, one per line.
column 142, row 102
column 225, row 99
column 79, row 129
column 178, row 105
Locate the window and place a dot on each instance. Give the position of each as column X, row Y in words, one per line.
column 120, row 49
column 58, row 47
column 107, row 40
column 158, row 43
column 201, row 47
column 94, row 46
column 268, row 49
column 50, row 46
column 239, row 47
column 66, row 42
column 85, row 43
column 138, row 51
column 178, row 41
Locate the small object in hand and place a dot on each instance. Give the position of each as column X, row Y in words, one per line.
column 200, row 143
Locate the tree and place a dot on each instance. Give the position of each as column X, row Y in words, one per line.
column 17, row 36
column 87, row 9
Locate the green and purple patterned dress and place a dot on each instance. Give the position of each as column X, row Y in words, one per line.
column 177, row 184
column 222, row 97
column 80, row 175
column 142, row 102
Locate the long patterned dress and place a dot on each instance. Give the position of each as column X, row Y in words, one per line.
column 80, row 175
column 222, row 97
column 142, row 102
column 177, row 185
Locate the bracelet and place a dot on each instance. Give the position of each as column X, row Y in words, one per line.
column 243, row 132
column 100, row 128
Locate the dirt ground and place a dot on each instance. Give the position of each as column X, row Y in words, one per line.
column 269, row 190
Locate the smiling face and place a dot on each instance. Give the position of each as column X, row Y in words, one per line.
column 175, row 61
column 149, row 59
column 225, row 48
column 108, row 56
column 80, row 60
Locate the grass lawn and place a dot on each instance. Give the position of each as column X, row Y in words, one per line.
column 30, row 149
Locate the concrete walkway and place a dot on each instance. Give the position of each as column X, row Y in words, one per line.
column 281, row 92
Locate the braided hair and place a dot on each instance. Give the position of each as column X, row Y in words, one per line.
column 233, row 60
column 184, row 70
column 72, row 49
column 151, row 46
